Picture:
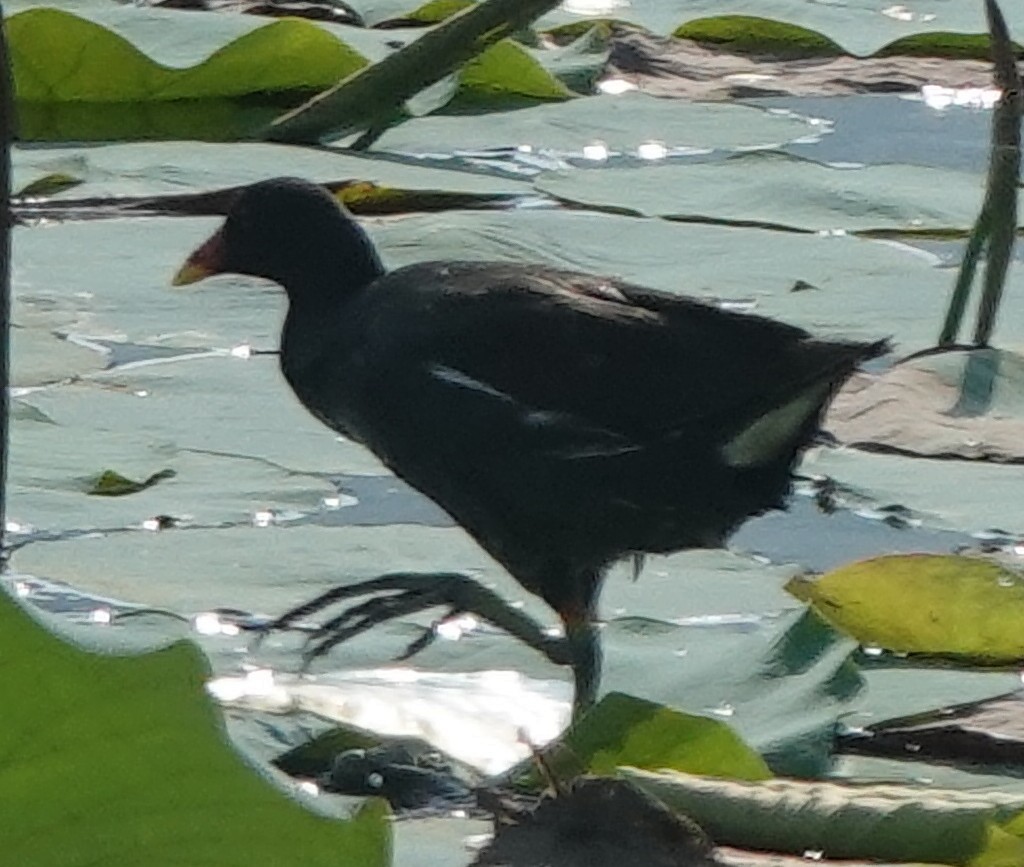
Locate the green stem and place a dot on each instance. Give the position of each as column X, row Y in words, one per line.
column 6, row 137
column 375, row 94
column 1003, row 174
column 964, row 279
column 996, row 226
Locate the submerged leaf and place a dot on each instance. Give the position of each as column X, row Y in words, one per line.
column 48, row 185
column 925, row 603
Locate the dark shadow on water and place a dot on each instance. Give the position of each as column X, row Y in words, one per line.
column 819, row 542
column 802, row 535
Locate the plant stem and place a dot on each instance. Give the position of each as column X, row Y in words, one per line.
column 374, row 95
column 995, row 229
column 6, row 137
column 1004, row 173
column 964, row 279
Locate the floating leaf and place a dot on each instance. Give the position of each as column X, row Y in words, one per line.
column 368, row 198
column 951, row 46
column 433, row 12
column 111, row 483
column 624, row 730
column 85, row 62
column 1004, row 847
column 96, row 85
column 780, row 191
column 109, row 756
column 745, row 34
column 899, row 823
column 216, row 120
column 925, row 603
column 959, row 404
column 602, row 28
column 506, row 72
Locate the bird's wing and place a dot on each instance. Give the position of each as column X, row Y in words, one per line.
column 582, row 359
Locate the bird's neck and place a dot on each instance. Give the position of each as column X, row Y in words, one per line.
column 319, row 327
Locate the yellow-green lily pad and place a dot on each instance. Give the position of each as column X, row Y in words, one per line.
column 946, row 605
column 624, row 730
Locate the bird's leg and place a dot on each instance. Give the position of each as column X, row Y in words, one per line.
column 406, row 593
column 585, row 651
column 575, row 596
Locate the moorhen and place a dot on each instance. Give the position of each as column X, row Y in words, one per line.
column 565, row 420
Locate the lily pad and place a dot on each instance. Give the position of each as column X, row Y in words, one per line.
column 100, row 67
column 952, row 46
column 782, row 192
column 111, row 483
column 900, row 823
column 929, row 407
column 109, row 756
column 620, row 123
column 946, row 605
column 624, row 730
column 432, row 12
column 987, row 735
column 503, row 75
column 88, row 63
column 750, row 35
column 689, row 69
column 173, row 168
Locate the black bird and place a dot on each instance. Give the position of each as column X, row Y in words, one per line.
column 565, row 420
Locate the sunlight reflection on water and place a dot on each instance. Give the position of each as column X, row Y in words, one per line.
column 487, row 719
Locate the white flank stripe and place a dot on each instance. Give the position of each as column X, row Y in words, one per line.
column 456, row 377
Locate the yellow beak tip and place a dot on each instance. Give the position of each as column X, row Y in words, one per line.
column 190, row 272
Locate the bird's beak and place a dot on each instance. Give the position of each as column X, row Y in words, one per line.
column 206, row 260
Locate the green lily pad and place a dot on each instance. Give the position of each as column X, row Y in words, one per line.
column 109, row 756
column 745, row 34
column 86, row 62
column 952, row 46
column 624, row 730
column 433, row 12
column 111, row 483
column 97, row 84
column 899, row 823
column 1004, row 847
column 923, row 603
column 504, row 74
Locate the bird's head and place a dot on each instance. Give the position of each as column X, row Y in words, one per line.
column 292, row 232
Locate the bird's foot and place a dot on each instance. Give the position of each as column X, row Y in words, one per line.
column 403, row 593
